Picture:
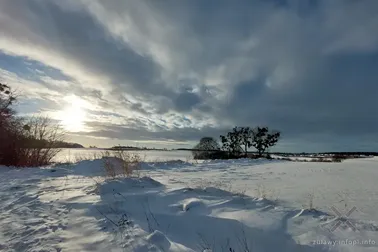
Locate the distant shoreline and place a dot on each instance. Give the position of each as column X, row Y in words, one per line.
column 362, row 153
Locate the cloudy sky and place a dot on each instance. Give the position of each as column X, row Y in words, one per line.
column 165, row 73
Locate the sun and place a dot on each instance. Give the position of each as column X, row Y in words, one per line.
column 73, row 116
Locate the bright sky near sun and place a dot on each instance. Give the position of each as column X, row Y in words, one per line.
column 73, row 115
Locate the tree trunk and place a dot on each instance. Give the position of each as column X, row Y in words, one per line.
column 261, row 152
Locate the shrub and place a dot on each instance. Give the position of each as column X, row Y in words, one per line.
column 207, row 148
column 121, row 163
column 23, row 141
column 338, row 158
column 31, row 142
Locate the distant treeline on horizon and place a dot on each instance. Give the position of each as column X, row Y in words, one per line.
column 119, row 147
column 36, row 143
column 306, row 153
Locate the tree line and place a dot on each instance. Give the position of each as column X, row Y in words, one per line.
column 26, row 141
column 236, row 143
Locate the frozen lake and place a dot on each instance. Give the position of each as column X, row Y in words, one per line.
column 71, row 155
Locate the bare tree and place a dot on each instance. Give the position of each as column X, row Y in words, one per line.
column 42, row 136
column 262, row 139
column 25, row 141
column 7, row 99
column 246, row 138
column 8, row 124
column 237, row 141
column 232, row 142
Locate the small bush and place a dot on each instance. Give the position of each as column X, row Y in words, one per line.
column 309, row 204
column 338, row 158
column 110, row 167
column 121, row 163
column 207, row 148
column 30, row 142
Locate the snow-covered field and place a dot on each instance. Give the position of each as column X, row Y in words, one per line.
column 239, row 205
column 69, row 155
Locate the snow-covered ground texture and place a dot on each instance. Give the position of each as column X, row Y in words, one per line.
column 72, row 155
column 233, row 206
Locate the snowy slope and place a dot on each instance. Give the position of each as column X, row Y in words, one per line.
column 236, row 205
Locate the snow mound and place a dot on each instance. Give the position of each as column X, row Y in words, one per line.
column 194, row 205
column 158, row 239
column 120, row 185
column 96, row 167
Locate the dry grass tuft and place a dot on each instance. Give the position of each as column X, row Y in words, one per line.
column 309, row 204
column 122, row 163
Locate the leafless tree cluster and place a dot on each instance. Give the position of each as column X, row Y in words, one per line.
column 25, row 141
column 240, row 139
column 237, row 143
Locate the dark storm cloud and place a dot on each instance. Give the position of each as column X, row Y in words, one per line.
column 186, row 101
column 307, row 68
column 341, row 100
